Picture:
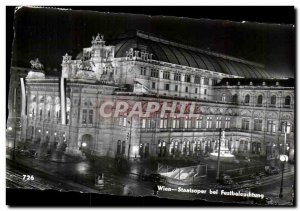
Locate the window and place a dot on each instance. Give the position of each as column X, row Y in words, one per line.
column 223, row 97
column 287, row 101
column 187, row 122
column 176, row 122
column 154, row 73
column 143, row 71
column 246, row 145
column 166, row 75
column 153, row 85
column 84, row 116
column 286, row 126
column 167, row 87
column 177, row 77
column 187, row 78
column 218, row 122
column 258, row 124
column 176, row 88
column 164, row 122
column 206, row 81
column 91, row 112
column 259, row 100
column 235, row 98
column 227, row 122
column 205, row 91
column 186, row 89
column 124, row 121
column 273, row 100
column 49, row 113
column 198, row 122
column 271, row 126
column 247, row 99
column 208, row 122
column 214, row 81
column 196, row 90
column 197, row 79
column 143, row 123
column 245, row 123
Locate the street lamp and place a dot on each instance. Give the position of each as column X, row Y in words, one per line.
column 283, row 159
column 287, row 130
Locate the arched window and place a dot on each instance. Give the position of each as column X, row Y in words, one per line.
column 259, row 99
column 235, row 98
column 247, row 99
column 287, row 100
column 223, row 97
column 273, row 100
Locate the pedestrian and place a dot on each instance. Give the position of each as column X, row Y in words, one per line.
column 155, row 190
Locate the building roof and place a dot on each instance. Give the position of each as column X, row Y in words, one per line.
column 176, row 53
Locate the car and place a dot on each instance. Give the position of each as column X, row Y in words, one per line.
column 226, row 180
column 271, row 170
column 153, row 178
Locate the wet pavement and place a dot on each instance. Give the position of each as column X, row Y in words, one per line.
column 120, row 178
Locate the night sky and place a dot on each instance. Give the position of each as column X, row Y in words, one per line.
column 49, row 33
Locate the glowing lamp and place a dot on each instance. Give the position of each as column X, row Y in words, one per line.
column 283, row 158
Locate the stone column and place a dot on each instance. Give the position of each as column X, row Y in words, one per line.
column 62, row 101
column 23, row 111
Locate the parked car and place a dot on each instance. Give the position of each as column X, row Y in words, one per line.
column 153, row 178
column 226, row 180
column 271, row 170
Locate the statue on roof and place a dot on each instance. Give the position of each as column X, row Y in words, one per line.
column 36, row 64
column 98, row 39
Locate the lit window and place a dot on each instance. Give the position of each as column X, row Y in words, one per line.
column 199, row 122
column 227, row 122
column 271, row 126
column 208, row 122
column 218, row 122
column 223, row 97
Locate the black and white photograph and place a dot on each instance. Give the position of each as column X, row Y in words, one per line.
column 161, row 106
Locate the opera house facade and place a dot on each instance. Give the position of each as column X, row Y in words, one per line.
column 255, row 108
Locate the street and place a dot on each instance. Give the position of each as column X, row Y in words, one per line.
column 80, row 176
